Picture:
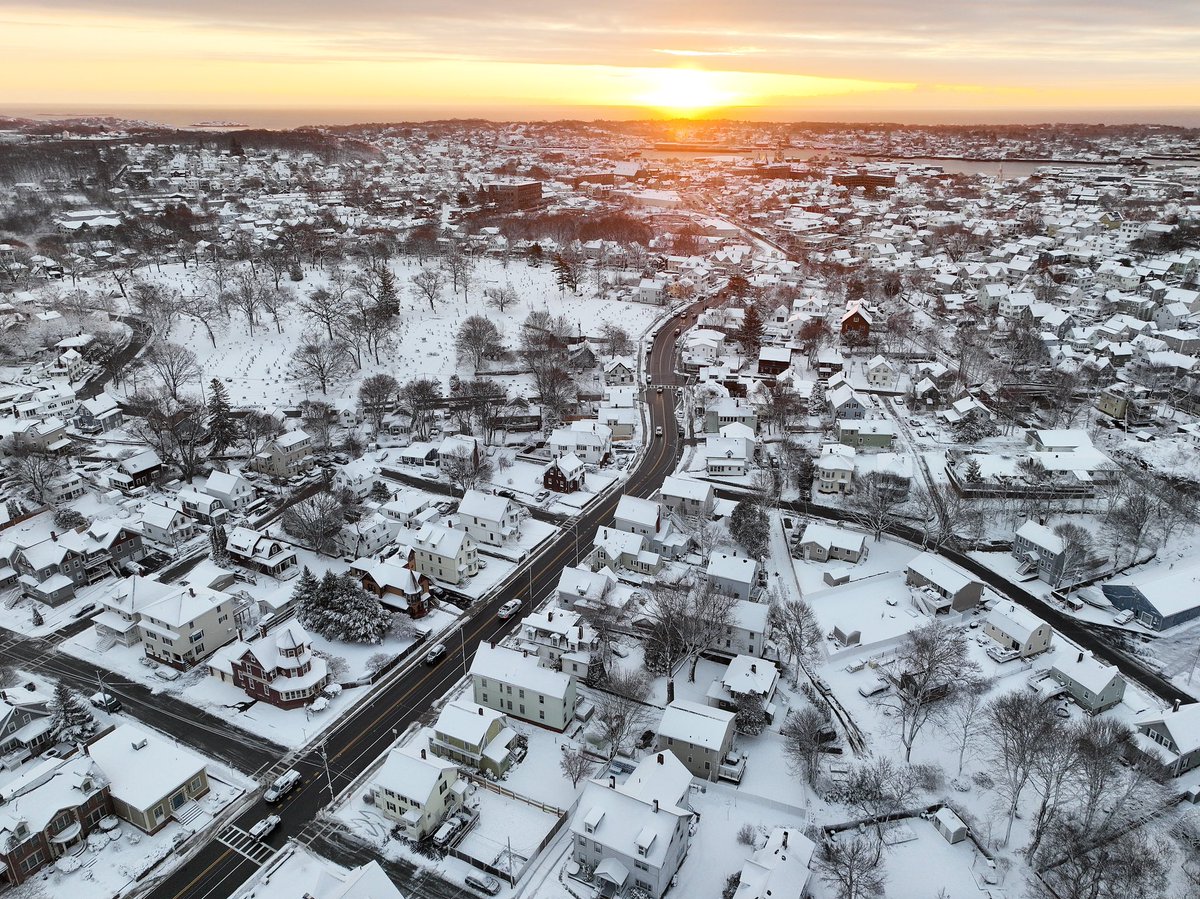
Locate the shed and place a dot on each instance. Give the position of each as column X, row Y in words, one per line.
column 949, row 825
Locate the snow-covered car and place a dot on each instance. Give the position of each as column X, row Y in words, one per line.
column 105, row 701
column 1123, row 617
column 542, row 495
column 509, row 609
column 483, row 883
column 435, row 654
column 167, row 673
column 873, row 688
column 264, row 828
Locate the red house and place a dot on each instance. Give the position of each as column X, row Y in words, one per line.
column 395, row 581
column 565, row 474
column 279, row 668
column 856, row 322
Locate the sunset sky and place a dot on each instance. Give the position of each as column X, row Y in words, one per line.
column 750, row 58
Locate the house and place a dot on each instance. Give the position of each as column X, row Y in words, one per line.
column 620, row 550
column 729, row 410
column 876, row 433
column 320, row 879
column 406, row 506
column 286, row 456
column 845, row 404
column 513, row 682
column 25, row 724
column 589, row 440
column 166, row 526
column 728, row 456
column 780, row 869
column 151, row 779
column 745, row 675
column 476, row 737
column 581, row 588
column 635, row 834
column 1018, row 630
column 1171, row 738
column 47, row 813
column 825, row 543
column 462, row 445
column 686, row 497
column 181, row 625
column 746, row 632
column 855, row 326
column 835, row 470
column 278, row 668
column 139, row 470
column 950, row 587
column 700, row 736
column 394, row 580
column 563, row 640
column 444, row 554
column 881, row 374
column 98, row 415
column 635, row 515
column 370, row 535
column 201, row 506
column 735, row 576
column 1094, row 685
column 774, row 360
column 565, row 474
column 418, row 790
column 620, row 370
column 947, row 822
column 488, row 519
column 234, row 491
column 1162, row 602
column 260, row 552
column 621, row 421
column 51, row 570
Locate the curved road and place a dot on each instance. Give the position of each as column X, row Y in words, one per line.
column 217, row 870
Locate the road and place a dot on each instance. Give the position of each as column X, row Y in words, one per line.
column 216, row 869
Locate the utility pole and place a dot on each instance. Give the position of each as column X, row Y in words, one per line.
column 328, row 776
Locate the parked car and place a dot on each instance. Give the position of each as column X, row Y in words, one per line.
column 1123, row 617
column 541, row 496
column 283, row 785
column 509, row 609
column 105, row 701
column 435, row 654
column 507, row 494
column 874, row 688
column 264, row 828
column 167, row 673
column 84, row 610
column 483, row 883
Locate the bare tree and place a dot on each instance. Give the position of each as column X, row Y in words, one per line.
column 796, row 628
column 880, row 789
column 1054, row 769
column 932, row 664
column 1077, row 553
column 1019, row 726
column 36, row 471
column 376, row 395
column 319, row 419
column 316, row 521
column 460, row 268
column 501, row 297
column 477, row 338
column 621, row 711
column 1133, row 862
column 964, row 721
column 575, row 765
column 258, row 429
column 616, row 339
column 465, row 470
column 324, row 307
column 804, row 731
column 318, row 362
column 1129, row 523
column 176, row 429
column 174, row 366
column 428, row 283
column 555, row 389
column 421, row 398
column 485, row 399
column 876, row 501
column 850, row 866
column 246, row 295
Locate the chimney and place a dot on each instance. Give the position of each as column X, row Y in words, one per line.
column 1080, row 659
column 1176, row 705
column 656, row 806
column 481, row 711
column 660, row 759
column 191, row 591
column 54, row 536
column 549, row 616
column 422, row 755
column 753, row 668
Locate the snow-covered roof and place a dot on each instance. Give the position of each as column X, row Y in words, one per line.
column 507, row 666
column 692, row 722
column 466, row 721
column 484, row 506
column 734, row 568
column 747, row 674
column 827, row 537
column 1182, row 724
column 143, row 768
column 1085, row 670
column 686, row 488
column 1015, row 621
column 1171, row 593
column 938, row 571
column 407, row 774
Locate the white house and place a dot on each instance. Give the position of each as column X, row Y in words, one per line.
column 514, row 683
column 563, row 640
column 589, row 440
column 444, row 554
column 687, row 497
column 167, row 526
column 234, row 491
column 780, row 869
column 488, row 519
column 635, row 834
column 1017, row 629
column 417, row 790
column 824, row 543
column 735, row 576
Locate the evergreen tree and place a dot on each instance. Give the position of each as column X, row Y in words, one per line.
column 216, row 544
column 748, row 525
column 304, row 594
column 379, row 492
column 71, row 720
column 389, row 296
column 750, row 334
column 971, row 471
column 222, row 429
column 37, row 619
column 339, row 609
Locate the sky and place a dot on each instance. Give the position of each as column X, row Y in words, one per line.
column 758, row 59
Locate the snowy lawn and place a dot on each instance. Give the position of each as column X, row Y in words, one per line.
column 501, row 820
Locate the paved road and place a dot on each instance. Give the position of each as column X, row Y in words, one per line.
column 217, row 870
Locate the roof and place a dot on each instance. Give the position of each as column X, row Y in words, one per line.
column 827, row 537
column 1183, row 725
column 938, row 571
column 508, row 666
column 747, row 674
column 299, row 872
column 692, row 722
column 736, row 568
column 483, row 505
column 686, row 488
column 159, row 516
column 779, row 869
column 1085, row 670
column 407, row 774
column 1019, row 623
column 1041, row 536
column 466, row 721
column 143, row 768
column 640, row 511
column 1171, row 593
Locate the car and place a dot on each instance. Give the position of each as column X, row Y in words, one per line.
column 482, row 563
column 429, row 475
column 659, row 388
column 284, row 784
column 148, row 662
column 822, row 683
column 658, row 431
column 509, row 609
column 484, row 883
column 435, row 654
column 260, row 830
column 541, row 496
column 1123, row 617
column 106, row 701
column 166, row 673
column 341, row 458
column 874, row 688
column 507, row 494
column 84, row 610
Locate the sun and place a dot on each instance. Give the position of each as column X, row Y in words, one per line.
column 685, row 92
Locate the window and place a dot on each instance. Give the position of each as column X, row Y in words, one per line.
column 442, row 787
